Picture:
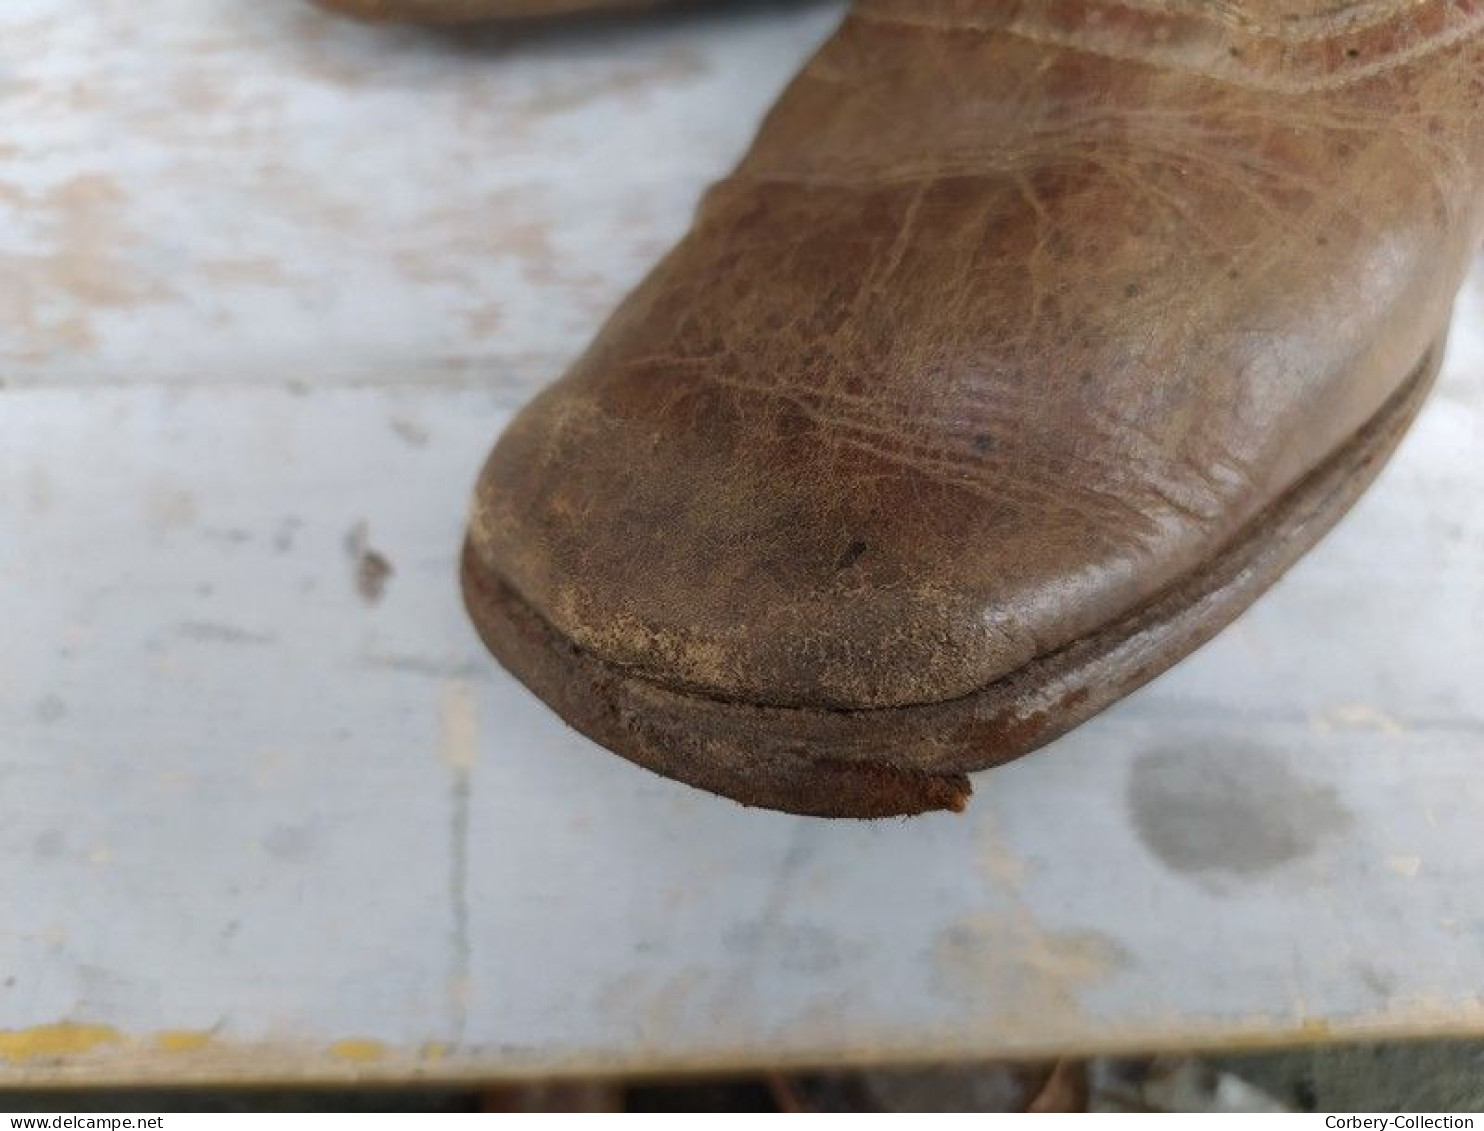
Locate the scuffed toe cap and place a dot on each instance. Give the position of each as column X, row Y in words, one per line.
column 714, row 544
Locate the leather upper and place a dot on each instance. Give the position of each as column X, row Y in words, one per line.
column 1013, row 316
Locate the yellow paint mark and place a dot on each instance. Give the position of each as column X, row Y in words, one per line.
column 461, row 991
column 1010, row 968
column 1358, row 716
column 1313, row 1027
column 653, row 1006
column 433, row 1051
column 358, row 1049
column 997, row 861
column 62, row 1039
column 460, row 746
column 182, row 1040
column 169, row 508
column 1407, row 866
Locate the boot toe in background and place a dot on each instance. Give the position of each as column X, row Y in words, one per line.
column 471, row 11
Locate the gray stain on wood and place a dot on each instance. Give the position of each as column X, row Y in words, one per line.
column 1233, row 811
column 210, row 632
column 290, row 842
column 372, row 569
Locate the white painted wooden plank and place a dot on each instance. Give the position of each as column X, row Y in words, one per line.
column 267, row 812
column 238, row 190
column 240, row 795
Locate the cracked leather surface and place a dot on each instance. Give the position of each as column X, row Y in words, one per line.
column 1013, row 316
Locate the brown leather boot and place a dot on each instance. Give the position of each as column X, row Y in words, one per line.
column 1027, row 346
column 470, row 11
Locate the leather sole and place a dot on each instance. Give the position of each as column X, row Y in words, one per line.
column 848, row 763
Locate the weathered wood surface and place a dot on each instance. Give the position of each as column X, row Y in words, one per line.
column 271, row 285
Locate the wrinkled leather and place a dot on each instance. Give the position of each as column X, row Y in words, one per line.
column 1013, row 315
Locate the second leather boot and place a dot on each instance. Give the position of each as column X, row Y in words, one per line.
column 471, row 11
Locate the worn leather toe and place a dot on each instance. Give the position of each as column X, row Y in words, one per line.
column 1015, row 319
